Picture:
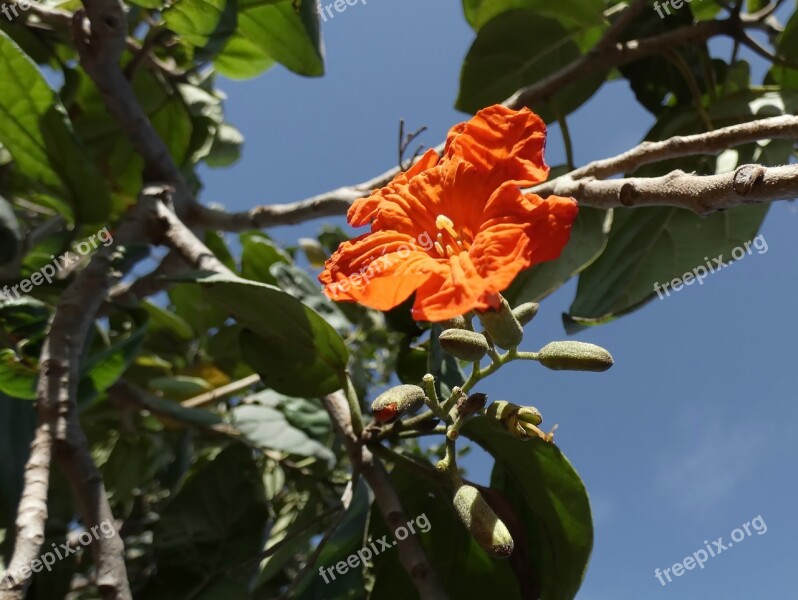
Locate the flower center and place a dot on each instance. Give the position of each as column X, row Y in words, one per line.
column 448, row 241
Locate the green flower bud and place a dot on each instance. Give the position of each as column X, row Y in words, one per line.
column 574, row 356
column 502, row 326
column 397, row 401
column 526, row 312
column 482, row 523
column 464, row 344
column 455, row 323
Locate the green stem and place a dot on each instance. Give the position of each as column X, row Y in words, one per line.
column 431, row 399
column 354, row 407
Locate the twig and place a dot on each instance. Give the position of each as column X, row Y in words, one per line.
column 221, row 392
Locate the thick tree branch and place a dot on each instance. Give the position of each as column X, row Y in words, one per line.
column 411, row 553
column 711, row 142
column 748, row 184
column 100, row 49
column 59, row 435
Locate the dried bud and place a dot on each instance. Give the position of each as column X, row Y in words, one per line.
column 464, row 344
column 455, row 323
column 526, row 312
column 470, row 405
column 520, row 421
column 397, row 401
column 575, row 356
column 502, row 326
column 482, row 523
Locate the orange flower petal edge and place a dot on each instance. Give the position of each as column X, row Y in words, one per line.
column 456, row 229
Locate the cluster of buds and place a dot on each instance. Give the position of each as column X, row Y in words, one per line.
column 521, row 421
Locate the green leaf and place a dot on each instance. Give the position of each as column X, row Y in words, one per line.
column 9, row 233
column 194, row 20
column 288, row 35
column 258, row 255
column 588, row 239
column 296, row 282
column 268, row 428
column 578, row 12
column 551, row 500
column 211, row 527
column 295, row 351
column 52, row 166
column 226, row 148
column 242, row 59
column 653, row 245
column 180, row 387
column 17, row 379
column 516, row 49
column 109, row 362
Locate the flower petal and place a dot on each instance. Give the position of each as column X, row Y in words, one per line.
column 364, row 210
column 505, row 144
column 379, row 270
column 452, row 293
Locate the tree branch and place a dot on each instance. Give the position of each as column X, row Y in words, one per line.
column 748, row 184
column 100, row 51
column 711, row 142
column 411, row 553
column 617, row 54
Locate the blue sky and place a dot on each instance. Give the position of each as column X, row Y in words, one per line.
column 691, row 434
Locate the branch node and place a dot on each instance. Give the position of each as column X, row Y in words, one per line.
column 746, row 177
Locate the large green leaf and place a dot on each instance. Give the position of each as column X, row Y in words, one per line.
column 551, row 500
column 287, row 34
column 588, row 238
column 653, row 245
column 210, row 530
column 295, row 351
column 516, row 49
column 17, row 378
column 267, row 427
column 579, row 12
column 52, row 166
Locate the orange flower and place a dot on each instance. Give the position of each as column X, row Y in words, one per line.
column 456, row 230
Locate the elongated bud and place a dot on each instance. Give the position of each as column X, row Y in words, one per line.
column 464, row 344
column 575, row 356
column 467, row 406
column 482, row 523
column 526, row 312
column 455, row 323
column 502, row 326
column 397, row 401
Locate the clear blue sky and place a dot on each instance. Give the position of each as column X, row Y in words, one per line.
column 692, row 433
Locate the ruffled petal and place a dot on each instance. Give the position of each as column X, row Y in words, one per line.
column 504, row 144
column 365, row 210
column 457, row 290
column 379, row 270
